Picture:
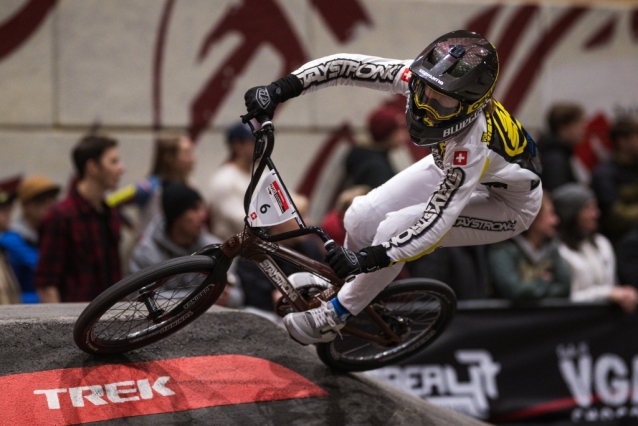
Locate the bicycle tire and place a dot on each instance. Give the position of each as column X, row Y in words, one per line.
column 183, row 288
column 397, row 304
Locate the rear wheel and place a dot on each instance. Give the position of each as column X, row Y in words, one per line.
column 416, row 309
column 151, row 304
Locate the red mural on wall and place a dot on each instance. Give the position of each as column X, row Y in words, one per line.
column 16, row 30
column 340, row 16
column 515, row 30
column 274, row 31
column 544, row 43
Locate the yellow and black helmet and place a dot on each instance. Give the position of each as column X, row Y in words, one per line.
column 452, row 80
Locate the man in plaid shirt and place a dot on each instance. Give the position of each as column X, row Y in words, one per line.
column 80, row 235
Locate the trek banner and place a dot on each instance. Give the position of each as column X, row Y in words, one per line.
column 560, row 364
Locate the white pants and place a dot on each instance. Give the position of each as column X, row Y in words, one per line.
column 399, row 203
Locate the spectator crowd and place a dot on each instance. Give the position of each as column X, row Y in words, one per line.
column 68, row 247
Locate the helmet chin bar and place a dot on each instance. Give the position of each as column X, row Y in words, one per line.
column 424, row 135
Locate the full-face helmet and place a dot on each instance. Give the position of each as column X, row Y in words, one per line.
column 452, row 81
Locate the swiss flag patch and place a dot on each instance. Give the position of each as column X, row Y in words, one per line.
column 407, row 75
column 460, row 158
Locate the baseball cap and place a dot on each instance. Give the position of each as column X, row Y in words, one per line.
column 383, row 121
column 36, row 185
column 239, row 131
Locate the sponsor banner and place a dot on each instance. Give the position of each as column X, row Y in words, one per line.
column 92, row 394
column 559, row 364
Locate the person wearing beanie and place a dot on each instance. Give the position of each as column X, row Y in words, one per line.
column 179, row 232
column 37, row 194
column 590, row 255
column 370, row 165
column 228, row 184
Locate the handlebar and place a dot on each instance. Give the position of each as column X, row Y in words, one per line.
column 264, row 145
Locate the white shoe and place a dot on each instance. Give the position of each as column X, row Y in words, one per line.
column 319, row 325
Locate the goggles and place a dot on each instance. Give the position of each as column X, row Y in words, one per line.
column 431, row 105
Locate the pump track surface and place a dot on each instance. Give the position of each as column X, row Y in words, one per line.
column 227, row 368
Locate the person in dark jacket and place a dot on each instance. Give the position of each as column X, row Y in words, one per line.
column 566, row 131
column 464, row 269
column 628, row 258
column 370, row 165
column 615, row 182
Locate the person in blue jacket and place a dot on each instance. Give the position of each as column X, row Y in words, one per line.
column 20, row 242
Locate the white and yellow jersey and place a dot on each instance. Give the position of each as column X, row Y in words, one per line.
column 479, row 187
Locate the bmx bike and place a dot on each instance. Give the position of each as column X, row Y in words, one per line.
column 154, row 303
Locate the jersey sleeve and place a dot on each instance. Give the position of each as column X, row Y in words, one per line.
column 463, row 166
column 390, row 75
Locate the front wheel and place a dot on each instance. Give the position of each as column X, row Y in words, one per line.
column 416, row 309
column 151, row 304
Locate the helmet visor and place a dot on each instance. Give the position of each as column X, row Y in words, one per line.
column 431, row 105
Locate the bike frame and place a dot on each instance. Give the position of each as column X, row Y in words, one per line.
column 257, row 246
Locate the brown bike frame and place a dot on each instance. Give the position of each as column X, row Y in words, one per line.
column 257, row 246
column 249, row 246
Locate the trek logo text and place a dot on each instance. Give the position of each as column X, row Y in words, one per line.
column 116, row 393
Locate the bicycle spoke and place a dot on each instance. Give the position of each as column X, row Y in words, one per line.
column 410, row 315
column 130, row 318
column 356, row 348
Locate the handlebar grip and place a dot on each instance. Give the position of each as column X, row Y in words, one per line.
column 330, row 245
column 262, row 119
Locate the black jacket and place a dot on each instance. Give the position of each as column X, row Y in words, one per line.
column 368, row 166
column 628, row 258
column 556, row 161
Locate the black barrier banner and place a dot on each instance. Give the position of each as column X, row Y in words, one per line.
column 558, row 364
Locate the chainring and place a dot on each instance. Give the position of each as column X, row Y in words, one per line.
column 307, row 291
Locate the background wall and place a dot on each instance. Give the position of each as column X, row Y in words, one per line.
column 133, row 66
